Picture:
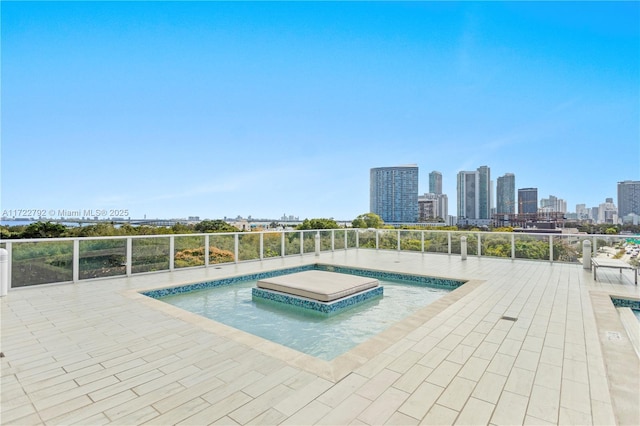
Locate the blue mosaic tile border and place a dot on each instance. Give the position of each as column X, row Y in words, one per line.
column 391, row 276
column 626, row 303
column 369, row 273
column 162, row 292
column 327, row 308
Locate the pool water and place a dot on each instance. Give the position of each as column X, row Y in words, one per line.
column 324, row 337
column 636, row 312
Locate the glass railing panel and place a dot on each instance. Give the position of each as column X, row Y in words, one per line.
column 472, row 242
column 248, row 246
column 411, row 240
column 367, row 238
column 41, row 263
column 339, row 239
column 608, row 245
column 352, row 238
column 325, row 240
column 221, row 249
column 309, row 241
column 102, row 258
column 388, row 239
column 291, row 243
column 188, row 251
column 496, row 245
column 533, row 247
column 436, row 242
column 567, row 248
column 149, row 254
column 272, row 244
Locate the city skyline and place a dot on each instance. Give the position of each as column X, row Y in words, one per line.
column 215, row 109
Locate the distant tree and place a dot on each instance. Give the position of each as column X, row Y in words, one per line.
column 181, row 228
column 502, row 229
column 43, row 230
column 5, row 233
column 214, row 226
column 367, row 220
column 318, row 224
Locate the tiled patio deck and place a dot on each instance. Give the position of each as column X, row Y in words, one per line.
column 98, row 353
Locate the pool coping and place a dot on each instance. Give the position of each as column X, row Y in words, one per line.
column 341, row 366
column 622, row 362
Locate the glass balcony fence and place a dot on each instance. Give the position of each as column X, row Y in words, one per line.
column 57, row 260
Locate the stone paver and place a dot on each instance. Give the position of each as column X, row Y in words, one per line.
column 97, row 352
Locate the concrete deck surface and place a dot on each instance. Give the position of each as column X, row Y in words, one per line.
column 97, row 352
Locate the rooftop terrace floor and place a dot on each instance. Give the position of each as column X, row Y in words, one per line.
column 98, row 352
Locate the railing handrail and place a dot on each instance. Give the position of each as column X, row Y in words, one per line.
column 200, row 234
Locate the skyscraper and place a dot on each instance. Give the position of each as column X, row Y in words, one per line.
column 474, row 195
column 484, row 194
column 394, row 193
column 506, row 194
column 432, row 206
column 435, row 182
column 527, row 200
column 628, row 198
column 553, row 204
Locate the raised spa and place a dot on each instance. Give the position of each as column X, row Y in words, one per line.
column 321, row 291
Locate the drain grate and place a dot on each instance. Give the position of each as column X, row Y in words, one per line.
column 506, row 318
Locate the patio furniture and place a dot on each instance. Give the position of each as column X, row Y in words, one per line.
column 613, row 263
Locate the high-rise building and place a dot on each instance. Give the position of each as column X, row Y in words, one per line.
column 484, row 195
column 435, row 182
column 628, row 198
column 394, row 193
column 474, row 196
column 553, row 204
column 506, row 194
column 607, row 212
column 527, row 200
column 432, row 206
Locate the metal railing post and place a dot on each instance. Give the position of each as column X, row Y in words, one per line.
column 479, row 245
column 463, row 248
column 550, row 248
column 129, row 256
column 236, row 247
column 206, row 251
column 513, row 246
column 377, row 240
column 282, row 246
column 449, row 242
column 301, row 243
column 4, row 272
column 422, row 241
column 9, row 247
column 76, row 261
column 262, row 246
column 172, row 254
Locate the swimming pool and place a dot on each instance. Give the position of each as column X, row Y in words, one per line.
column 324, row 337
column 634, row 304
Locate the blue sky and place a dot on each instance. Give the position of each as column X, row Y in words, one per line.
column 221, row 109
